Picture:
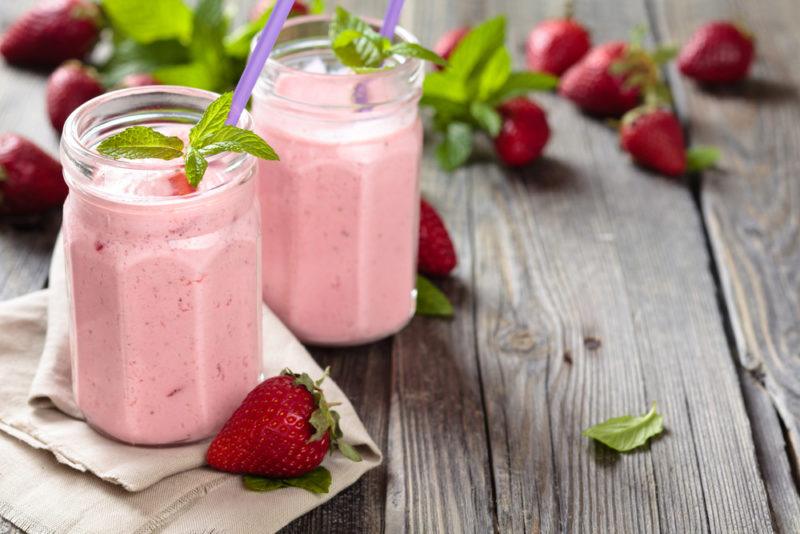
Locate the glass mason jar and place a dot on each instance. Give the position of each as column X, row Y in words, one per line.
column 340, row 211
column 164, row 282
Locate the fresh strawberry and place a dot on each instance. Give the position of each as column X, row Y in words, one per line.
column 449, row 41
column 718, row 52
column 52, row 32
column 654, row 138
column 436, row 253
column 282, row 429
column 555, row 45
column 524, row 133
column 138, row 79
column 30, row 180
column 299, row 8
column 180, row 184
column 594, row 88
column 68, row 87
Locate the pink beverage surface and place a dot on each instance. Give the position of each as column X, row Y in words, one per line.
column 340, row 215
column 166, row 308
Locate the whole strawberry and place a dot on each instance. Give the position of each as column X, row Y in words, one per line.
column 524, row 133
column 30, row 180
column 298, row 8
column 555, row 45
column 68, row 87
column 52, row 32
column 436, row 253
column 283, row 429
column 138, row 79
column 594, row 88
column 449, row 41
column 718, row 52
column 654, row 138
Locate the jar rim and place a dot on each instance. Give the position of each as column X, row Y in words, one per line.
column 76, row 151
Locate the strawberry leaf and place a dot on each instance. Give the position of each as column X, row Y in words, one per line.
column 317, row 480
column 430, row 300
column 456, row 148
column 627, row 432
column 140, row 142
column 700, row 158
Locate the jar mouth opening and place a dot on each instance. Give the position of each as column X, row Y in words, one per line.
column 307, row 34
column 114, row 111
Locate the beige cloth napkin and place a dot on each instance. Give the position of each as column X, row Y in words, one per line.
column 59, row 476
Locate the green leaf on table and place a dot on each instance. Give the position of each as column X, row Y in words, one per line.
column 140, row 142
column 522, row 83
column 456, row 147
column 487, row 117
column 150, row 21
column 416, row 51
column 430, row 299
column 188, row 74
column 130, row 57
column 494, row 74
column 477, row 47
column 317, row 481
column 196, row 166
column 700, row 158
column 233, row 139
column 627, row 432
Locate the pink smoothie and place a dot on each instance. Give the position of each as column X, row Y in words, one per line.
column 339, row 211
column 165, row 292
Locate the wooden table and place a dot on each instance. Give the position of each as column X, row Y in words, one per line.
column 586, row 288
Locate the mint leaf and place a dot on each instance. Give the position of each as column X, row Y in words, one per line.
column 357, row 50
column 486, row 117
column 196, row 166
column 456, row 148
column 700, row 158
column 430, row 300
column 627, row 432
column 494, row 74
column 147, row 22
column 233, row 139
column 317, row 481
column 521, row 83
column 477, row 47
column 212, row 121
column 130, row 57
column 188, row 74
column 140, row 142
column 317, row 7
column 416, row 51
column 207, row 46
column 238, row 43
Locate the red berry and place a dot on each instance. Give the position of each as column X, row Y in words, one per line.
column 68, row 87
column 590, row 84
column 30, row 180
column 299, row 8
column 654, row 138
column 270, row 434
column 524, row 133
column 52, row 32
column 437, row 256
column 555, row 45
column 718, row 52
column 449, row 41
column 180, row 184
column 138, row 79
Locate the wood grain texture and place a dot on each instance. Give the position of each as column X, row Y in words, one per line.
column 750, row 207
column 585, row 256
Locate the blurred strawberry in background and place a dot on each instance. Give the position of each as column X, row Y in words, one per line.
column 449, row 41
column 299, row 8
column 555, row 45
column 718, row 52
column 30, row 180
column 138, row 80
column 68, row 87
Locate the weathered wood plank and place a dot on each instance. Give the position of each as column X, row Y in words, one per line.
column 594, row 299
column 25, row 246
column 751, row 213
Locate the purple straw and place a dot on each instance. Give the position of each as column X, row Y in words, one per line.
column 280, row 12
column 391, row 18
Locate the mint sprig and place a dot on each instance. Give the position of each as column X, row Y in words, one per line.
column 361, row 48
column 208, row 137
column 465, row 95
column 430, row 299
column 627, row 432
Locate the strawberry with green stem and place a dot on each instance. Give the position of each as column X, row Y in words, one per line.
column 465, row 96
column 210, row 136
column 554, row 45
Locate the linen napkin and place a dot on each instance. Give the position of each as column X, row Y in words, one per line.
column 59, row 476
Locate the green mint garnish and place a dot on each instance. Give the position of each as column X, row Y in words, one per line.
column 430, row 299
column 317, row 480
column 363, row 49
column 627, row 432
column 700, row 158
column 208, row 137
column 466, row 94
